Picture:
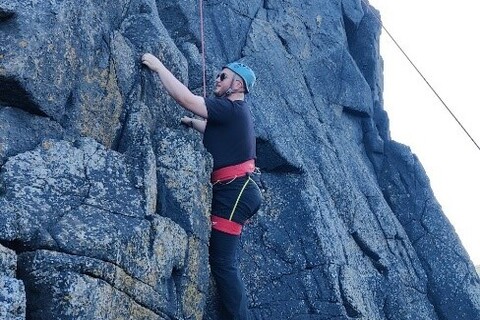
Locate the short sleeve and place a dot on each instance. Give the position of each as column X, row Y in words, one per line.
column 220, row 110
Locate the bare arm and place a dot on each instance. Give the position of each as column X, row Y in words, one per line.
column 175, row 88
column 196, row 124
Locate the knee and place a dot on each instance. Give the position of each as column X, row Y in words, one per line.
column 221, row 262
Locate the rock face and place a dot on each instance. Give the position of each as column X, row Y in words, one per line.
column 104, row 197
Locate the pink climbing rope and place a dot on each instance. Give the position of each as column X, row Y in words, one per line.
column 202, row 40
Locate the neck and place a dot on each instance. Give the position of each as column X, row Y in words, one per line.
column 232, row 96
column 236, row 96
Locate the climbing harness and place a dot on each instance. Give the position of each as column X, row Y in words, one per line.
column 228, row 225
column 225, row 225
column 232, row 172
column 238, row 198
column 227, row 175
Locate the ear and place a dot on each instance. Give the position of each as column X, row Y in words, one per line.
column 239, row 85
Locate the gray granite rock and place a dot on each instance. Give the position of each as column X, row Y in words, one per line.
column 104, row 196
column 12, row 290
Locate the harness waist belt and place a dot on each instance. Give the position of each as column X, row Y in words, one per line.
column 225, row 225
column 232, row 172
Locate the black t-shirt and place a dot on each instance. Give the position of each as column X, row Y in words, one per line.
column 229, row 135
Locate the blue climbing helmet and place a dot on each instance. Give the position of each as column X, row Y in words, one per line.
column 247, row 74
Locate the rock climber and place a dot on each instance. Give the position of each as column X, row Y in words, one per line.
column 228, row 135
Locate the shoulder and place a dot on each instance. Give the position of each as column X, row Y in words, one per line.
column 217, row 101
column 219, row 108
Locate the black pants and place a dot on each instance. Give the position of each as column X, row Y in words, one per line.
column 238, row 201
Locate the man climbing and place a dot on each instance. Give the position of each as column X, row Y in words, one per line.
column 228, row 135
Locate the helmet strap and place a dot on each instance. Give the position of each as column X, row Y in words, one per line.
column 230, row 89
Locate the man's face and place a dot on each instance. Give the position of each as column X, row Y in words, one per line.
column 223, row 82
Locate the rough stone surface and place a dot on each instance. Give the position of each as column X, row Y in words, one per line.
column 12, row 290
column 104, row 197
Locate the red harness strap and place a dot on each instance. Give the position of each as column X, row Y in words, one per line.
column 225, row 225
column 232, row 172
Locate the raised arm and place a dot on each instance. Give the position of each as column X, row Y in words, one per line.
column 177, row 90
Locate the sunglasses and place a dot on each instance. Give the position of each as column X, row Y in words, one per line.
column 222, row 76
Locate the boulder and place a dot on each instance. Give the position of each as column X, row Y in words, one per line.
column 105, row 197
